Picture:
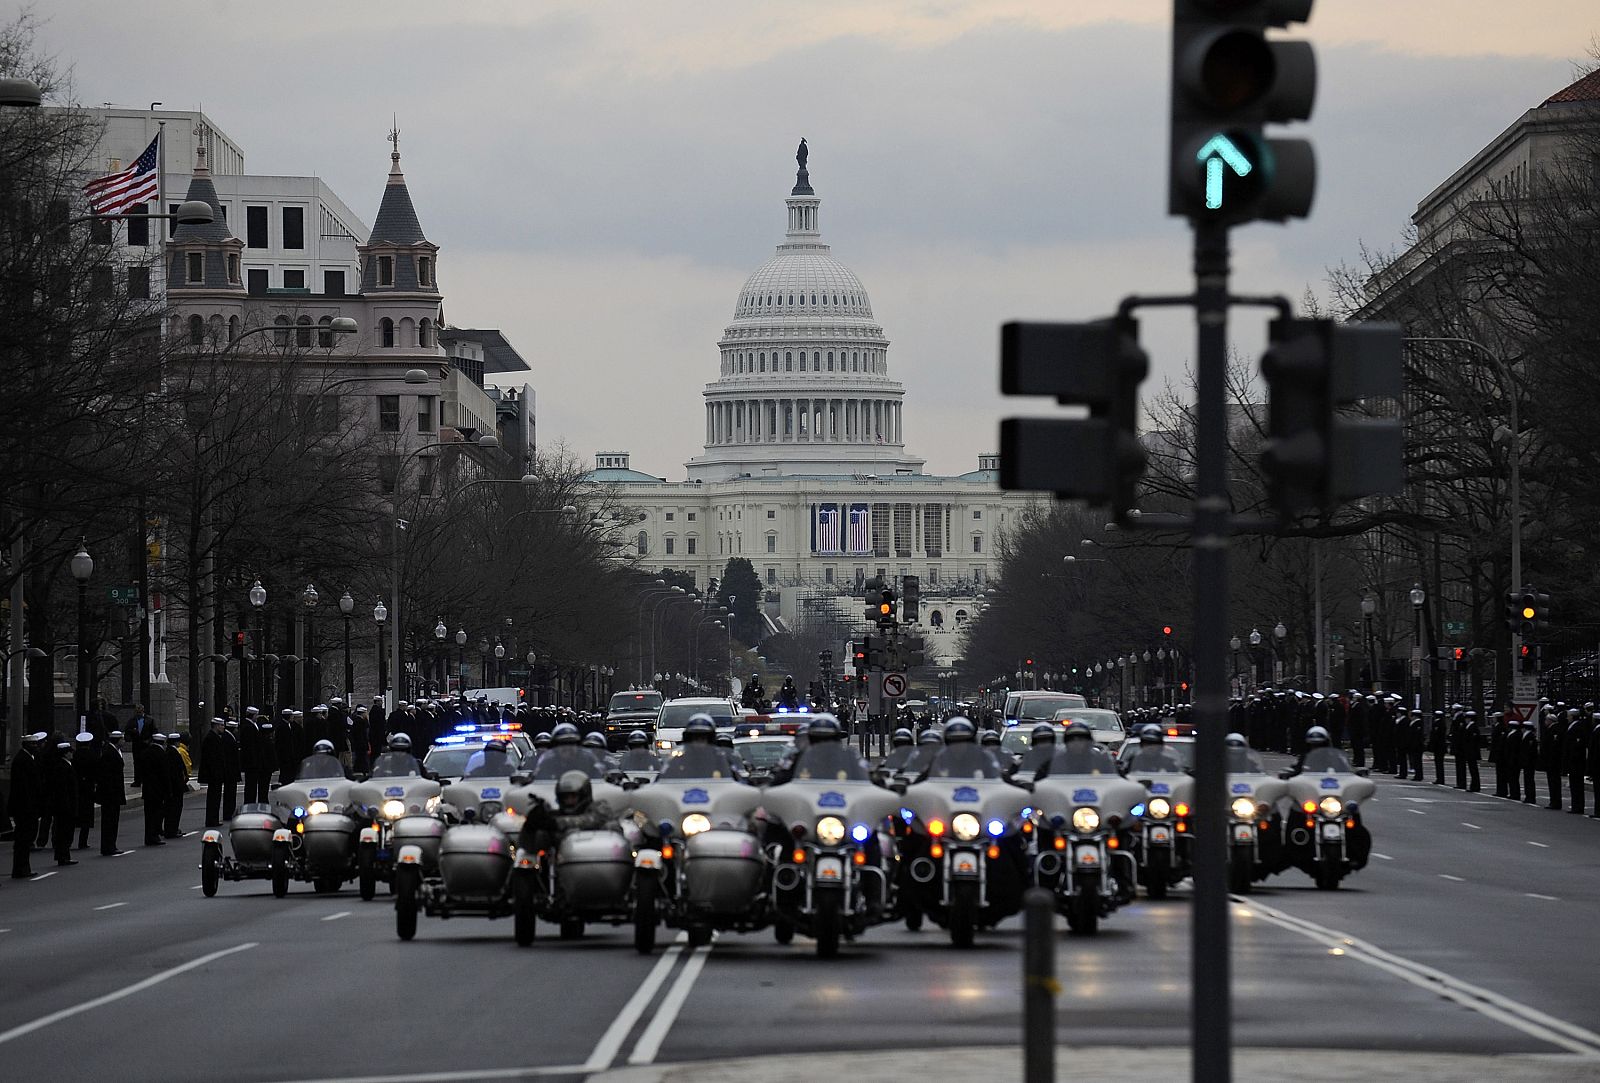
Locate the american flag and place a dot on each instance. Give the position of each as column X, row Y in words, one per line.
column 828, row 531
column 860, row 536
column 117, row 193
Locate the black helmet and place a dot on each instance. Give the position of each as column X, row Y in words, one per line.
column 989, row 738
column 724, row 740
column 565, row 734
column 399, row 742
column 756, row 677
column 1236, row 740
column 573, row 792
column 323, row 746
column 1043, row 734
column 594, row 740
column 1317, row 737
column 901, row 738
column 1077, row 728
column 959, row 729
column 1151, row 735
column 541, row 739
column 824, row 727
column 930, row 736
column 700, row 729
column 497, row 744
column 637, row 739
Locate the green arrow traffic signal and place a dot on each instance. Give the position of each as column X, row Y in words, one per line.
column 1218, row 155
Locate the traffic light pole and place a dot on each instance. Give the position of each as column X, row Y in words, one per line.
column 1211, row 1017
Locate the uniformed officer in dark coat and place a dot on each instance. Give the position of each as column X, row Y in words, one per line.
column 1593, row 757
column 232, row 766
column 110, row 793
column 1380, row 719
column 85, row 758
column 286, row 747
column 360, row 741
column 178, row 775
column 1464, row 743
column 267, row 757
column 1528, row 761
column 1511, row 758
column 214, row 772
column 1439, row 743
column 1416, row 743
column 1550, row 732
column 249, row 730
column 61, row 797
column 1497, row 751
column 1574, row 755
column 24, row 802
column 152, row 763
column 1358, row 728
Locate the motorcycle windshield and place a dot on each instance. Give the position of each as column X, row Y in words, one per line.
column 897, row 759
column 1089, row 759
column 1244, row 761
column 1159, row 760
column 920, row 758
column 830, row 761
column 1322, row 760
column 555, row 762
column 395, row 765
column 320, row 765
column 964, row 761
column 639, row 759
column 696, row 761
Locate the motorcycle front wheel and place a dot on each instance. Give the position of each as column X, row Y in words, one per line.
column 783, row 931
column 210, row 871
column 963, row 917
column 826, row 924
column 1083, row 911
column 405, row 902
column 524, row 922
column 280, row 872
column 1155, row 877
column 1240, row 874
column 367, row 872
column 644, row 914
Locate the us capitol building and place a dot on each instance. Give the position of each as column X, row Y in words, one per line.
column 805, row 470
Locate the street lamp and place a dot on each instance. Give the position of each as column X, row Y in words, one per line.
column 380, row 614
column 82, row 569
column 461, row 661
column 258, row 600
column 1369, row 607
column 347, row 606
column 1279, row 635
column 1233, row 645
column 499, row 661
column 308, row 600
column 1418, row 598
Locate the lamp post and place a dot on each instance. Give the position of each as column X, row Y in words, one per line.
column 1146, row 658
column 308, row 600
column 380, row 614
column 82, row 569
column 461, row 662
column 1369, row 606
column 1233, row 645
column 441, row 652
column 531, row 657
column 1280, row 635
column 499, row 662
column 1418, row 597
column 347, row 606
column 258, row 601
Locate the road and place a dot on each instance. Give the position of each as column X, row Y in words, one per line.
column 1471, row 932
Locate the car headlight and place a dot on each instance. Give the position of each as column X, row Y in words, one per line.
column 696, row 822
column 830, row 829
column 1085, row 820
column 965, row 826
column 316, row 808
column 432, row 804
column 393, row 809
column 1160, row 808
column 1330, row 806
column 1243, row 808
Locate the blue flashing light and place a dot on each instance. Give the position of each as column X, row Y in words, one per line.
column 907, row 815
column 997, row 828
column 861, row 832
column 804, row 709
column 299, row 811
column 783, row 710
column 1027, row 813
column 465, row 727
column 1137, row 810
column 666, row 828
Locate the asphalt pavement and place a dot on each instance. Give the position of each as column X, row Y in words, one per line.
column 1465, row 949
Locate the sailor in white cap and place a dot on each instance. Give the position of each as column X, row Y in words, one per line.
column 24, row 799
column 110, row 793
column 85, row 758
column 61, row 784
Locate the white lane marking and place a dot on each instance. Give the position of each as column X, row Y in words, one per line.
column 1381, row 857
column 1540, row 845
column 1529, row 1020
column 1447, row 876
column 605, row 1050
column 196, row 887
column 41, row 876
column 1474, row 827
column 1418, row 811
column 111, row 906
column 126, row 991
column 5, row 930
column 451, row 1077
column 336, row 917
column 649, row 1044
column 1536, row 895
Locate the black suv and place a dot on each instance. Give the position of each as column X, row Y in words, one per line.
column 635, row 709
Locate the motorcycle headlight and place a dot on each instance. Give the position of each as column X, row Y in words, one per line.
column 830, row 829
column 696, row 822
column 1330, row 806
column 1085, row 820
column 1243, row 808
column 393, row 809
column 965, row 826
column 1160, row 808
column 432, row 804
column 316, row 808
column 488, row 810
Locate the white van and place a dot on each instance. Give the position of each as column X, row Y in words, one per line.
column 1024, row 708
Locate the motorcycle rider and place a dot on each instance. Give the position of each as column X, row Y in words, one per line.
column 754, row 696
column 1152, row 754
column 398, row 762
column 1320, row 756
column 492, row 761
column 789, row 695
column 701, row 731
column 322, row 763
column 1041, row 747
column 575, row 810
column 639, row 756
column 1077, row 755
column 566, row 753
column 901, row 746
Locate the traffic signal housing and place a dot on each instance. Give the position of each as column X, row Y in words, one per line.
column 913, row 651
column 1228, row 81
column 1528, row 612
column 910, row 599
column 1098, row 364
column 877, row 652
column 238, row 645
column 1317, row 455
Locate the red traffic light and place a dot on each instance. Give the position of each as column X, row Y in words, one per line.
column 1526, row 650
column 1166, row 629
column 1028, row 661
column 1460, row 653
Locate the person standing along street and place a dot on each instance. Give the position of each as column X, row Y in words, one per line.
column 110, row 793
column 212, row 775
column 1574, row 753
column 1592, row 755
column 1359, row 707
column 1464, row 742
column 231, row 764
column 1550, row 752
column 1438, row 743
column 23, row 803
column 249, row 728
column 1528, row 761
column 1497, row 751
column 267, row 757
column 1511, row 757
column 360, row 742
column 141, row 728
column 151, row 761
column 178, row 781
column 61, row 785
column 85, row 758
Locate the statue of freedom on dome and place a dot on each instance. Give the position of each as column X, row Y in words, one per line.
column 801, row 154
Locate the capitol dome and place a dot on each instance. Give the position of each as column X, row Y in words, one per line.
column 804, row 384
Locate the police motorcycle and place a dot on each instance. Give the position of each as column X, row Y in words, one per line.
column 965, row 858
column 834, row 867
column 1326, row 838
column 1084, row 811
column 1160, row 841
column 263, row 849
column 402, row 808
column 468, row 872
column 584, row 875
column 1255, row 826
column 714, row 872
column 324, row 825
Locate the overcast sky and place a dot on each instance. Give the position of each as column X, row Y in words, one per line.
column 601, row 176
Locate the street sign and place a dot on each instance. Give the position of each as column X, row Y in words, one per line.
column 894, row 685
column 1455, row 627
column 122, row 595
column 1525, row 687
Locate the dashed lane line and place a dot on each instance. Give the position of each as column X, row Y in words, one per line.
column 1540, row 845
column 1474, row 827
column 116, row 995
column 36, row 877
column 1417, row 811
column 1536, row 895
column 111, row 906
column 336, row 917
column 1381, row 857
column 1447, row 876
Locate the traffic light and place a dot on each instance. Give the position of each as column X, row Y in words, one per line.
column 1166, row 631
column 1527, row 661
column 1317, row 455
column 912, row 651
column 910, row 599
column 883, row 610
column 238, row 645
column 1099, row 365
column 858, row 656
column 877, row 651
column 1228, row 80
column 1531, row 615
